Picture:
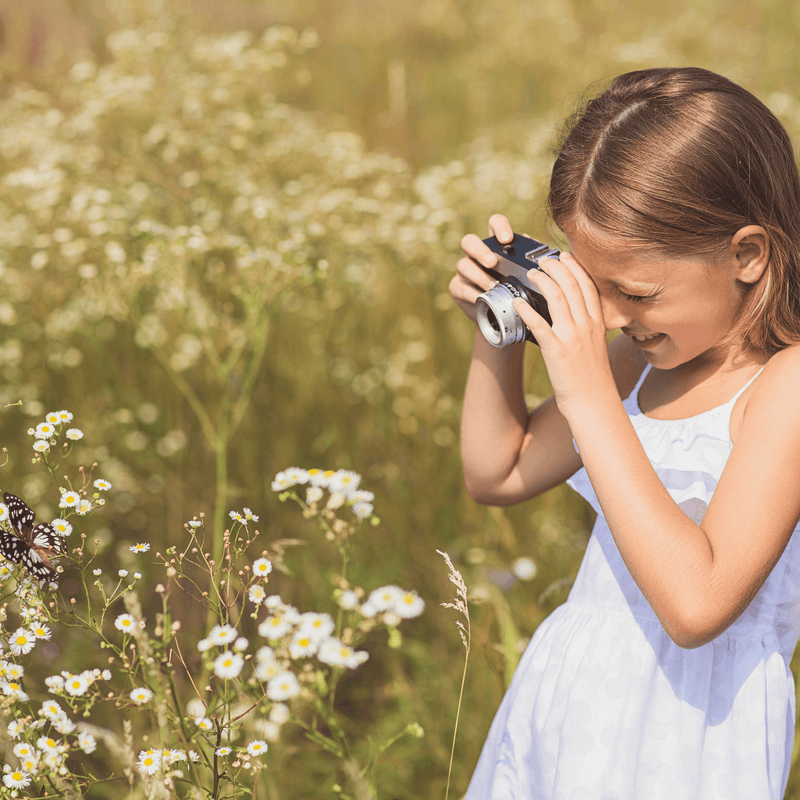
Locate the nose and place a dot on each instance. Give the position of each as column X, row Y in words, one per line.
column 613, row 315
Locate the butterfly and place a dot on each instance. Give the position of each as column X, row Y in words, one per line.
column 33, row 547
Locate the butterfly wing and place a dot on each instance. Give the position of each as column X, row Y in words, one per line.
column 20, row 552
column 46, row 537
column 20, row 514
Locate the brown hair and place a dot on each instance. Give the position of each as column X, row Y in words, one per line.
column 678, row 160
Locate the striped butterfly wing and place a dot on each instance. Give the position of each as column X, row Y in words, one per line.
column 34, row 546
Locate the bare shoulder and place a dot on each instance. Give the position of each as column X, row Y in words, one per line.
column 778, row 383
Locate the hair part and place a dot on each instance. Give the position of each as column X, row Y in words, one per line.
column 676, row 161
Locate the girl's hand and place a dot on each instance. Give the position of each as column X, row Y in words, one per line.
column 575, row 349
column 470, row 280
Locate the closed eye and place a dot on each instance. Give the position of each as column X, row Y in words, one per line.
column 635, row 298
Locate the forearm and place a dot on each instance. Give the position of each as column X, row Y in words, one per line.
column 669, row 556
column 495, row 415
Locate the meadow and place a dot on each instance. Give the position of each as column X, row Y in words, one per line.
column 226, row 238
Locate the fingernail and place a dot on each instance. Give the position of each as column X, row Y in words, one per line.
column 505, row 236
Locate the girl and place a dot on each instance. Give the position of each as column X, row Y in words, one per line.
column 666, row 672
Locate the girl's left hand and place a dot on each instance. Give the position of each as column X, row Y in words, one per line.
column 575, row 349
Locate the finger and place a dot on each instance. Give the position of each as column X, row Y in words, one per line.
column 500, row 227
column 588, row 291
column 472, row 273
column 550, row 286
column 536, row 322
column 476, row 248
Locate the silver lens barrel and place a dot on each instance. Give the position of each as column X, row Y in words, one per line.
column 500, row 324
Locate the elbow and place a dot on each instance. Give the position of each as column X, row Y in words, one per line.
column 694, row 633
column 480, row 492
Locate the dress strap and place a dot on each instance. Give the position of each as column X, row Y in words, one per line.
column 733, row 400
column 635, row 392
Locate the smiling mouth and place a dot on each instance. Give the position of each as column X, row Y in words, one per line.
column 646, row 338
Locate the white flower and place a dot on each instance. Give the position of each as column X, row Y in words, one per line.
column 303, row 645
column 283, row 686
column 102, row 485
column 262, row 567
column 74, row 434
column 203, row 645
column 3, row 512
column 64, row 416
column 266, row 669
column 338, row 654
column 54, row 682
column 16, row 779
column 194, row 523
column 313, row 494
column 47, row 745
column 97, row 572
column 336, row 500
column 123, row 573
column 409, row 605
column 63, row 724
column 317, row 626
column 52, row 418
column 69, row 500
column 344, row 481
column 274, row 627
column 87, row 742
column 236, row 516
column 319, row 478
column 22, row 749
column 76, row 685
column 257, row 747
column 296, row 475
column 348, row 599
column 141, row 695
column 222, row 751
column 41, row 446
column 21, row 642
column 256, row 593
column 241, row 644
column 281, row 482
column 222, row 634
column 62, row 526
column 361, row 509
column 13, row 690
column 44, row 430
column 125, row 623
column 385, row 598
column 141, row 547
column 149, row 762
column 228, row 664
column 51, row 710
column 248, row 514
column 84, row 506
column 204, row 723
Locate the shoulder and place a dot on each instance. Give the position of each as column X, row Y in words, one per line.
column 778, row 385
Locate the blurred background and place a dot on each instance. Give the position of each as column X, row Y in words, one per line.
column 226, row 236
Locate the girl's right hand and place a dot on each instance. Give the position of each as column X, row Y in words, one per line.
column 470, row 280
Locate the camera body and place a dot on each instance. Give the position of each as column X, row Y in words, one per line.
column 500, row 324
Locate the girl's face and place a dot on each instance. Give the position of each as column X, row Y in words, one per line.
column 691, row 302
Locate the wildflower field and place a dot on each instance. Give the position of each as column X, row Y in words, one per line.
column 233, row 377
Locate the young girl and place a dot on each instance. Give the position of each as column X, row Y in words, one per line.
column 666, row 673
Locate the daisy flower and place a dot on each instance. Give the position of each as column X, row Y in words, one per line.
column 41, row 446
column 302, row 645
column 141, row 547
column 52, row 418
column 257, row 747
column 102, row 485
column 84, row 506
column 141, row 695
column 283, row 686
column 44, row 430
column 262, row 567
column 204, row 723
column 51, row 710
column 249, row 515
column 13, row 671
column 74, row 434
column 348, row 599
column 228, row 665
column 22, row 749
column 87, row 742
column 3, row 512
column 362, row 509
column 266, row 670
column 194, row 523
column 409, row 605
column 256, row 594
column 21, row 642
column 338, row 654
column 313, row 494
column 47, row 745
column 317, row 477
column 344, row 481
column 13, row 690
column 149, row 762
column 236, row 516
column 274, row 627
column 125, row 623
column 16, row 779
column 76, row 685
column 222, row 751
column 316, row 625
column 222, row 634
column 64, row 416
column 69, row 500
column 62, row 526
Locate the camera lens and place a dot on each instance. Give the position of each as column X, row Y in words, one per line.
column 492, row 320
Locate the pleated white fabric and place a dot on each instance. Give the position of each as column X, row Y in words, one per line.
column 605, row 706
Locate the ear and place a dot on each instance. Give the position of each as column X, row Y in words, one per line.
column 749, row 249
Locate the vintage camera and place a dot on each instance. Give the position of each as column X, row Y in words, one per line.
column 499, row 323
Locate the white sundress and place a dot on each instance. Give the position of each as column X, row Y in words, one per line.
column 605, row 706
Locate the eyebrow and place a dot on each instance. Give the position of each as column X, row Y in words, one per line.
column 628, row 287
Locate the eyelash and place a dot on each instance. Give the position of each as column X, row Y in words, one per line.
column 635, row 298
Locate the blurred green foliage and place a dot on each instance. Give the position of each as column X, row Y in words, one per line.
column 226, row 246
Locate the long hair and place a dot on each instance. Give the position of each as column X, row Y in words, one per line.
column 676, row 161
